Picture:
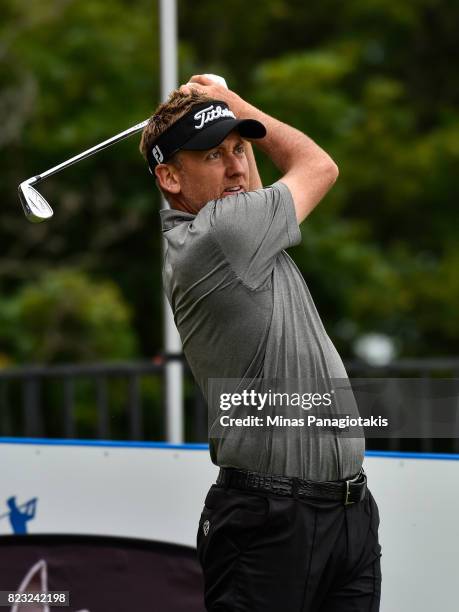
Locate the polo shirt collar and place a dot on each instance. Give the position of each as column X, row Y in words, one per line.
column 170, row 218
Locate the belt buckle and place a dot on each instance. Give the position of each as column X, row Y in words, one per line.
column 348, row 491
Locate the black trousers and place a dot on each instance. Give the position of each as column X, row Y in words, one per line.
column 265, row 553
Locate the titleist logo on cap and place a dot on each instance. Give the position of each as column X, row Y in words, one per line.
column 210, row 114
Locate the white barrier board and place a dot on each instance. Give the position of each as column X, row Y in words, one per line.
column 158, row 494
column 148, row 493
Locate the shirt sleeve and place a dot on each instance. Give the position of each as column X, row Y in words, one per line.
column 253, row 228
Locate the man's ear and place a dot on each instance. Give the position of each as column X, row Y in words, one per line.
column 168, row 178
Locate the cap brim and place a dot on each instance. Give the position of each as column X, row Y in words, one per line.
column 213, row 135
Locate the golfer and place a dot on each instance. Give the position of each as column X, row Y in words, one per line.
column 290, row 524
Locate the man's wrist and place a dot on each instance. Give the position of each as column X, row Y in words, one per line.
column 245, row 110
column 237, row 104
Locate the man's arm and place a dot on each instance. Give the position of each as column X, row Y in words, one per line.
column 254, row 176
column 308, row 171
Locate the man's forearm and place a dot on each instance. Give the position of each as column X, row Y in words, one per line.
column 308, row 171
column 254, row 175
column 283, row 143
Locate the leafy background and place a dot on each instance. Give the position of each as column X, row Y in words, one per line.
column 375, row 83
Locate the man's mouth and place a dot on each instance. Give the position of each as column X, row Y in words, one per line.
column 233, row 190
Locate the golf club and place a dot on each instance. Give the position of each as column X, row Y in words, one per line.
column 36, row 208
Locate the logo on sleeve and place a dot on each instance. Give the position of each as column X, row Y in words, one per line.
column 205, row 527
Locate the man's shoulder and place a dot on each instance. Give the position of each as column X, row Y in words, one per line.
column 233, row 220
column 226, row 207
column 246, row 206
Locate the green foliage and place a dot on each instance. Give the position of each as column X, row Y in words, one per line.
column 65, row 316
column 373, row 82
column 73, row 74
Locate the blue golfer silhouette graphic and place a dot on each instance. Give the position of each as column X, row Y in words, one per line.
column 20, row 515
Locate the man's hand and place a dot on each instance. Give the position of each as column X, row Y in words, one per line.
column 308, row 171
column 214, row 90
column 203, row 84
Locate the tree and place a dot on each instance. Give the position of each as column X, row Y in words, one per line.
column 369, row 81
column 65, row 316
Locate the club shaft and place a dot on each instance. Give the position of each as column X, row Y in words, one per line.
column 103, row 145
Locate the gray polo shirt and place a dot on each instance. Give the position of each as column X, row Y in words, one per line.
column 243, row 310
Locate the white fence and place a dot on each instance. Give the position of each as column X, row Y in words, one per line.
column 156, row 492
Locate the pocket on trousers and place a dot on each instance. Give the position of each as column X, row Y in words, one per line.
column 203, row 535
column 215, row 499
column 228, row 527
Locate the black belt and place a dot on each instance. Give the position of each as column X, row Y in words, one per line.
column 346, row 491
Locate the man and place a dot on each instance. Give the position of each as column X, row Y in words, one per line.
column 290, row 524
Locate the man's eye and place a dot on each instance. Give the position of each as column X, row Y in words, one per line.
column 213, row 155
column 240, row 150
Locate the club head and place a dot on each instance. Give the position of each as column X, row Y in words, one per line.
column 36, row 208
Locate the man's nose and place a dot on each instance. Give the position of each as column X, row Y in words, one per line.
column 234, row 165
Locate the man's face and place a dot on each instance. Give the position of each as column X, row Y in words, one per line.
column 216, row 173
